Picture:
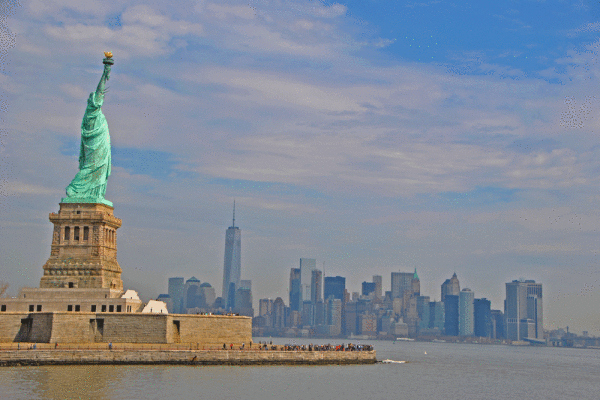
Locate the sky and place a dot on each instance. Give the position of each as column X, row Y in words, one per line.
column 374, row 136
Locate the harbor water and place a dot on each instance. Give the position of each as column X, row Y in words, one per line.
column 431, row 371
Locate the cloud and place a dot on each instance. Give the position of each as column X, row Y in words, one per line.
column 143, row 33
column 333, row 11
column 589, row 27
column 221, row 11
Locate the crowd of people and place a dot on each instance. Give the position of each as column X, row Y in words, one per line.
column 304, row 347
column 328, row 347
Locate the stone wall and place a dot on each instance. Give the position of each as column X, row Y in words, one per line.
column 86, row 327
column 134, row 328
column 213, row 330
column 191, row 357
column 10, row 327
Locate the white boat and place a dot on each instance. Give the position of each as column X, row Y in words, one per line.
column 388, row 361
column 406, row 339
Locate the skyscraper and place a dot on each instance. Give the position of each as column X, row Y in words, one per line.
column 498, row 324
column 401, row 283
column 307, row 266
column 483, row 318
column 316, row 283
column 437, row 315
column 232, row 266
column 523, row 310
column 465, row 312
column 451, row 315
column 295, row 290
column 176, row 294
column 450, row 287
column 278, row 313
column 335, row 286
column 423, row 311
column 190, row 293
column 368, row 288
column 378, row 286
column 265, row 307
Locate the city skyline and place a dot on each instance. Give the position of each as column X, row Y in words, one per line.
column 372, row 137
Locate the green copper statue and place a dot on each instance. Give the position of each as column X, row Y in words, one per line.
column 89, row 185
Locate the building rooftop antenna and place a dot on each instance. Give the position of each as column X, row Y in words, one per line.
column 233, row 225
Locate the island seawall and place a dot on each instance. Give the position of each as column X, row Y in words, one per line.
column 183, row 357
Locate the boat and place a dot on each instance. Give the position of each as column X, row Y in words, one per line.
column 388, row 361
column 405, row 339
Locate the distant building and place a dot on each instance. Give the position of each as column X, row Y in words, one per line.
column 437, row 315
column 498, row 326
column 320, row 313
column 483, row 318
column 367, row 323
column 450, row 287
column 243, row 302
column 265, row 307
column 378, row 281
column 465, row 312
column 307, row 266
column 191, row 293
column 316, row 286
column 232, row 265
column 207, row 296
column 278, row 314
column 308, row 313
column 415, row 284
column 334, row 286
column 333, row 307
column 523, row 310
column 423, row 312
column 295, row 290
column 368, row 288
column 401, row 283
column 176, row 294
column 451, row 315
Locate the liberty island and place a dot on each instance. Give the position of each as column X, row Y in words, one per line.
column 81, row 314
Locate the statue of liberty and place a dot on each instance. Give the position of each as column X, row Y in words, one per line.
column 89, row 185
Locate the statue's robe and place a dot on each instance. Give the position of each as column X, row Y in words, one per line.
column 89, row 185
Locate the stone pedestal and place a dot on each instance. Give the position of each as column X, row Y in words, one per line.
column 84, row 248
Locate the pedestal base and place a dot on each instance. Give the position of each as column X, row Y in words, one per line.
column 84, row 248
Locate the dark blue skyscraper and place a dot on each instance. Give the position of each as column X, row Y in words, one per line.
column 176, row 294
column 498, row 327
column 335, row 286
column 295, row 290
column 451, row 315
column 483, row 321
column 368, row 288
column 232, row 266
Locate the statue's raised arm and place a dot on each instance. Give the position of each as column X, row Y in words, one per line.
column 89, row 185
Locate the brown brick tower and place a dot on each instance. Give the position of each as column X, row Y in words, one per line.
column 84, row 248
